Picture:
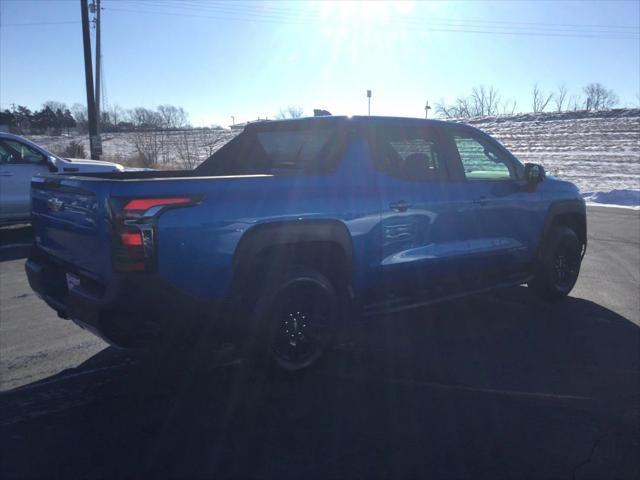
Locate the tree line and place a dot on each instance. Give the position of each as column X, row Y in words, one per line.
column 54, row 118
column 487, row 101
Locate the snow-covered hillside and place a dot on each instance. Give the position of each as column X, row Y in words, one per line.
column 173, row 149
column 598, row 151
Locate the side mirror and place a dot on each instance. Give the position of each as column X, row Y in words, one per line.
column 534, row 173
column 51, row 163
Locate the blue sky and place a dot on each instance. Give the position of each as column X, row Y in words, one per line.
column 249, row 59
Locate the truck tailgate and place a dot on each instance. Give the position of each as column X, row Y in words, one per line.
column 70, row 219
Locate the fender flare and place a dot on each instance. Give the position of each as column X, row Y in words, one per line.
column 565, row 207
column 263, row 236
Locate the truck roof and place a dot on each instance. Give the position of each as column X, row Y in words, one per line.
column 341, row 120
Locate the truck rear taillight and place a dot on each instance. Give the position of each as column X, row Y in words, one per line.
column 131, row 239
column 138, row 206
column 134, row 230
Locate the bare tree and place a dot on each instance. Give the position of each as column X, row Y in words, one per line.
column 187, row 149
column 478, row 100
column 540, row 99
column 464, row 107
column 193, row 146
column 173, row 117
column 110, row 117
column 443, row 110
column 598, row 97
column 79, row 113
column 508, row 107
column 151, row 146
column 54, row 105
column 115, row 114
column 560, row 97
column 493, row 101
column 289, row 112
column 482, row 101
column 145, row 119
column 575, row 103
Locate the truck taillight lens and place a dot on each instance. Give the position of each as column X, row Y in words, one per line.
column 138, row 206
column 134, row 230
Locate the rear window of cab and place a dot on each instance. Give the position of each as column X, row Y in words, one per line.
column 281, row 151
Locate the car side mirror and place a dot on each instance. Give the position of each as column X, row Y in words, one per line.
column 51, row 163
column 534, row 173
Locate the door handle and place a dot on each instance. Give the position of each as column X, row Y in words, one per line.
column 482, row 201
column 6, row 174
column 399, row 206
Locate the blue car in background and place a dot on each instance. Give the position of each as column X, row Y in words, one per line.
column 20, row 160
column 296, row 228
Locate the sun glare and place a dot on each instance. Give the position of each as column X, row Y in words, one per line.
column 341, row 18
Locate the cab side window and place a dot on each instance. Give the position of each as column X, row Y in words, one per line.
column 409, row 154
column 14, row 152
column 481, row 160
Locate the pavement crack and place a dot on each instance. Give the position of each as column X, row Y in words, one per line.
column 585, row 462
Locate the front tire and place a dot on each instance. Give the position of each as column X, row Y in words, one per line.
column 557, row 270
column 295, row 319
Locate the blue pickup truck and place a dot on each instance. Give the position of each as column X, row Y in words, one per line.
column 295, row 228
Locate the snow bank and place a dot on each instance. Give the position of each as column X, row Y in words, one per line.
column 617, row 198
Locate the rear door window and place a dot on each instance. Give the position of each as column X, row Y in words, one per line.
column 409, row 153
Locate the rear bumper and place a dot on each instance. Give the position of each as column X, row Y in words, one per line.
column 132, row 311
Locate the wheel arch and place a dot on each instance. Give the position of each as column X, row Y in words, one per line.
column 313, row 243
column 569, row 213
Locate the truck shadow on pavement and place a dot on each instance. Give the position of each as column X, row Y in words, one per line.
column 497, row 386
column 15, row 242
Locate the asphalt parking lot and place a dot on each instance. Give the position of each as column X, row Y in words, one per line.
column 496, row 386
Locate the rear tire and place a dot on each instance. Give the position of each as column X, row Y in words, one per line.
column 294, row 320
column 557, row 270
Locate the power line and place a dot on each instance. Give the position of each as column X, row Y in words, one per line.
column 218, row 3
column 271, row 14
column 289, row 14
column 275, row 15
column 33, row 24
column 279, row 16
column 259, row 18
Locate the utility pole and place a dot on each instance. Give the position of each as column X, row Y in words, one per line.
column 427, row 107
column 88, row 76
column 369, row 100
column 98, row 13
